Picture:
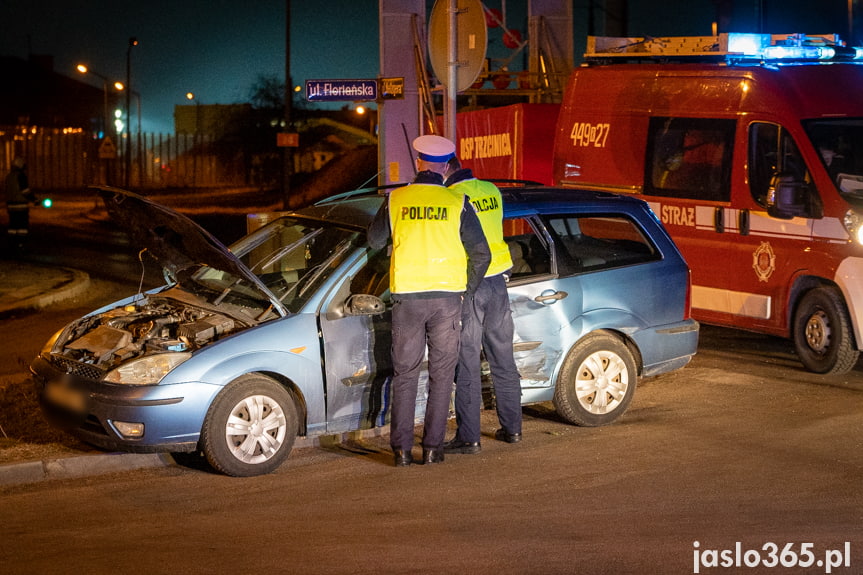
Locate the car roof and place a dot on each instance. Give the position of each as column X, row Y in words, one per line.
column 548, row 199
column 357, row 209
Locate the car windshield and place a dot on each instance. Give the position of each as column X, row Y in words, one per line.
column 291, row 257
column 840, row 145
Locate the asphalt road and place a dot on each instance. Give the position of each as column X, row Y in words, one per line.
column 742, row 446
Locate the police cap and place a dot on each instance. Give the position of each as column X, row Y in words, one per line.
column 434, row 148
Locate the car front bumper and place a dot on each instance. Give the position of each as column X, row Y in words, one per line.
column 172, row 415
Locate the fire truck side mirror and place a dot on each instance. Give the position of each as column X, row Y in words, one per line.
column 787, row 197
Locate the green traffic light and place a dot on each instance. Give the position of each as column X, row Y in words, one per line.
column 47, row 203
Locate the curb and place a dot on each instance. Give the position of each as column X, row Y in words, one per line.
column 76, row 466
column 76, row 285
column 79, row 283
column 79, row 466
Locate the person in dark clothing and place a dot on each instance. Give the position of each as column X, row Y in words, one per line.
column 18, row 200
column 439, row 256
column 486, row 326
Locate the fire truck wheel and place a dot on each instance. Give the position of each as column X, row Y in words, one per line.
column 822, row 333
column 597, row 381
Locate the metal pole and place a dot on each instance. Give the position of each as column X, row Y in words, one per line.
column 452, row 72
column 287, row 151
column 126, row 159
column 128, row 154
column 105, row 117
column 138, row 143
column 198, row 143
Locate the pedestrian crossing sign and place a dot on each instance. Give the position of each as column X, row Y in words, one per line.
column 107, row 149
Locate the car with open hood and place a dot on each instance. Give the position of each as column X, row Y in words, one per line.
column 287, row 332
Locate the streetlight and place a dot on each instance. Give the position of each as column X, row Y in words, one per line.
column 198, row 140
column 191, row 97
column 132, row 43
column 106, row 118
column 120, row 87
column 362, row 111
column 138, row 141
column 138, row 110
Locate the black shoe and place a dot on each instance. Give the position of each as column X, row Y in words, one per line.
column 432, row 455
column 458, row 446
column 403, row 458
column 503, row 435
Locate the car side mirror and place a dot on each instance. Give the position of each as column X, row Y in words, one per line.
column 364, row 304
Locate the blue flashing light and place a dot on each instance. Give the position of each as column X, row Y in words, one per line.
column 747, row 44
column 799, row 52
column 47, row 202
column 793, row 47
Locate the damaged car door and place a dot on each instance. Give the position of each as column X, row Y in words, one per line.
column 357, row 339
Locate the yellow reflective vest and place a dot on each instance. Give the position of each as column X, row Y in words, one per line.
column 428, row 254
column 486, row 200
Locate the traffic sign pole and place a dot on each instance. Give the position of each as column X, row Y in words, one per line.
column 452, row 73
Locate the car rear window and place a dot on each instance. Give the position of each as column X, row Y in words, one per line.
column 596, row 242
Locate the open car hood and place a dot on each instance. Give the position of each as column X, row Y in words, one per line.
column 176, row 242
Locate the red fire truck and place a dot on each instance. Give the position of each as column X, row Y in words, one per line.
column 750, row 150
column 510, row 142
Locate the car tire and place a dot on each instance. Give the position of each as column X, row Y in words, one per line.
column 596, row 382
column 822, row 333
column 250, row 427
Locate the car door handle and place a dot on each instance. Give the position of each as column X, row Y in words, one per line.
column 555, row 296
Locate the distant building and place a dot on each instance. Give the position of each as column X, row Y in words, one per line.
column 323, row 139
column 324, row 134
column 34, row 94
column 207, row 119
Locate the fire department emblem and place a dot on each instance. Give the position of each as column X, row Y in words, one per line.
column 764, row 261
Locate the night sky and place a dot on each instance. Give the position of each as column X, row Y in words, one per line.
column 214, row 48
column 218, row 48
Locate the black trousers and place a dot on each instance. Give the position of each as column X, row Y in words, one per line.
column 419, row 323
column 487, row 326
column 19, row 219
column 19, row 224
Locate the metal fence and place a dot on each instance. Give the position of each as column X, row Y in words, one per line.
column 63, row 159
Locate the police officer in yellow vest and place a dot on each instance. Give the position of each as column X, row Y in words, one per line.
column 486, row 326
column 439, row 253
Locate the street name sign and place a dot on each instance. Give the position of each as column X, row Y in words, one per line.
column 392, row 88
column 341, row 90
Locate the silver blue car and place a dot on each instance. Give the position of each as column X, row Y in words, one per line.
column 287, row 333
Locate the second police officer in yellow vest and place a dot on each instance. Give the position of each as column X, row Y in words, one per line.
column 486, row 326
column 439, row 255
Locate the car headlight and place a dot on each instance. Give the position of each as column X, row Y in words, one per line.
column 854, row 224
column 147, row 370
column 49, row 345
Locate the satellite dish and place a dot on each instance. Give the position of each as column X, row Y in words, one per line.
column 472, row 38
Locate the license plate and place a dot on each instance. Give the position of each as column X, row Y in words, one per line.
column 64, row 396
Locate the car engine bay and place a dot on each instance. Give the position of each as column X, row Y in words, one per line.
column 150, row 325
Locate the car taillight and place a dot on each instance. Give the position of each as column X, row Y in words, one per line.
column 687, row 304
